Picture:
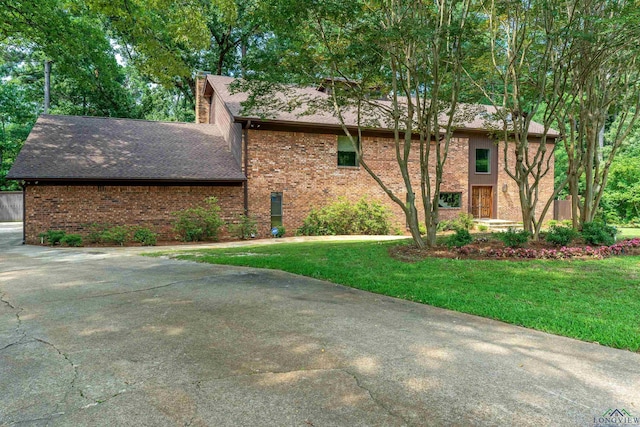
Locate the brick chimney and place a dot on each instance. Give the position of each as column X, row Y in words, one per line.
column 203, row 105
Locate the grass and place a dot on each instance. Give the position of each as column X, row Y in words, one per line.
column 591, row 300
column 628, row 233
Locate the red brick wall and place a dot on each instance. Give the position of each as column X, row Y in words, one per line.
column 71, row 208
column 303, row 166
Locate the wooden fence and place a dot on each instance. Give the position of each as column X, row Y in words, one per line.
column 10, row 206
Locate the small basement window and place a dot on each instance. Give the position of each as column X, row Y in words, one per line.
column 450, row 200
column 276, row 209
column 483, row 163
column 347, row 153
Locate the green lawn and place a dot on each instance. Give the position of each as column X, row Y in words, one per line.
column 628, row 233
column 591, row 300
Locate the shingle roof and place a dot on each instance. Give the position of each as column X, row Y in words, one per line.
column 474, row 117
column 93, row 148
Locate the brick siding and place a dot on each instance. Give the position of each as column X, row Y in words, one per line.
column 72, row 207
column 303, row 166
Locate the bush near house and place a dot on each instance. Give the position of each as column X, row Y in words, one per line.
column 460, row 238
column 144, row 236
column 117, row 235
column 464, row 221
column 52, row 237
column 598, row 233
column 513, row 238
column 74, row 240
column 342, row 217
column 199, row 223
column 245, row 228
column 561, row 236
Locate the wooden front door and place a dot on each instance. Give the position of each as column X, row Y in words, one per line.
column 482, row 202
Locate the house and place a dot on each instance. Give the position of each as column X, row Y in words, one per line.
column 82, row 170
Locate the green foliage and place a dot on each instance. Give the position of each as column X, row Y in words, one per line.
column 561, row 236
column 464, row 221
column 144, row 236
column 460, row 238
column 246, row 227
column 599, row 233
column 278, row 231
column 514, row 238
column 482, row 227
column 117, row 235
column 94, row 235
column 53, row 237
column 74, row 240
column 621, row 199
column 199, row 223
column 342, row 218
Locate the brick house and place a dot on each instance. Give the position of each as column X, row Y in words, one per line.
column 80, row 170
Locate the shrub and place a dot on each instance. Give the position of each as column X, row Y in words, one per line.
column 461, row 238
column 96, row 231
column 423, row 228
column 199, row 223
column 116, row 235
column 145, row 237
column 483, row 227
column 598, row 233
column 513, row 238
column 444, row 225
column 278, row 231
column 74, row 240
column 560, row 236
column 245, row 228
column 53, row 237
column 464, row 221
column 343, row 217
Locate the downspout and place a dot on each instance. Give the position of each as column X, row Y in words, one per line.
column 24, row 212
column 245, row 140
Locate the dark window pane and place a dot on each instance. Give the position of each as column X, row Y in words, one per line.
column 346, row 158
column 276, row 209
column 450, row 200
column 346, row 152
column 482, row 160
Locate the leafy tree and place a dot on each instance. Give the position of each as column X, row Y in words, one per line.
column 410, row 51
column 168, row 41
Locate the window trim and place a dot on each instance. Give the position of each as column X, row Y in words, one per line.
column 338, row 151
column 475, row 163
column 451, row 207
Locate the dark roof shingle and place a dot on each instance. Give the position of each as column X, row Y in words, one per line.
column 474, row 117
column 94, row 148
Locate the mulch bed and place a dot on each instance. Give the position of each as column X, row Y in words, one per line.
column 477, row 251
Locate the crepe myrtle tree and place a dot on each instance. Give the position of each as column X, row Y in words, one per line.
column 394, row 65
column 572, row 65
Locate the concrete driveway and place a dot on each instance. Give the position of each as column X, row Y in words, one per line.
column 108, row 338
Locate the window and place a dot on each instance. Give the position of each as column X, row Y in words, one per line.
column 276, row 209
column 450, row 200
column 347, row 155
column 483, row 163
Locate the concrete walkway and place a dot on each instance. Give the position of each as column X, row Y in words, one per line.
column 102, row 337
